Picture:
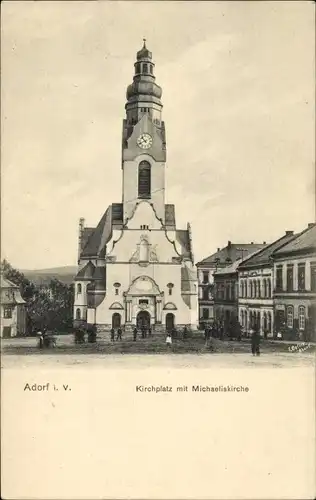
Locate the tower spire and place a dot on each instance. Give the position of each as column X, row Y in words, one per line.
column 144, row 46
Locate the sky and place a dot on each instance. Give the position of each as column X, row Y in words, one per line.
column 238, row 95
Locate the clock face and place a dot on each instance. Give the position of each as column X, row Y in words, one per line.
column 145, row 141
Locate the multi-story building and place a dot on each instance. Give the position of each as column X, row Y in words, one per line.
column 226, row 294
column 13, row 310
column 136, row 266
column 207, row 267
column 255, row 277
column 295, row 286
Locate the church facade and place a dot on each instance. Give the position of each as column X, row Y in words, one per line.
column 135, row 267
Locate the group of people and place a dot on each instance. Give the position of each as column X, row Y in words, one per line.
column 45, row 339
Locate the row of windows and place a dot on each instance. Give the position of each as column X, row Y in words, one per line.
column 255, row 319
column 299, row 283
column 225, row 291
column 144, row 68
column 255, row 288
column 134, row 120
column 290, row 317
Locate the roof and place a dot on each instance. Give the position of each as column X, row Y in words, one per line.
column 231, row 253
column 86, row 235
column 229, row 269
column 304, row 241
column 100, row 236
column 263, row 257
column 86, row 272
column 5, row 283
column 182, row 237
column 187, row 275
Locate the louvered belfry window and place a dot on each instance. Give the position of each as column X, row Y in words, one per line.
column 144, row 181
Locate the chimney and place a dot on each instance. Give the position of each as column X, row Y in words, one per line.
column 251, row 243
column 264, row 243
column 310, row 225
column 218, row 249
column 289, row 233
column 229, row 244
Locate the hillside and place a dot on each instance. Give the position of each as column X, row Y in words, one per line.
column 64, row 274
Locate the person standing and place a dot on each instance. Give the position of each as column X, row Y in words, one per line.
column 112, row 334
column 119, row 334
column 168, row 339
column 185, row 333
column 255, row 342
column 135, row 334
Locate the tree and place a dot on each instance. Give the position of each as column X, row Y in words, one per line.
column 48, row 306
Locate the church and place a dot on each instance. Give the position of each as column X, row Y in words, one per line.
column 135, row 267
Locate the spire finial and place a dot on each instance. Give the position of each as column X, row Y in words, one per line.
column 144, row 40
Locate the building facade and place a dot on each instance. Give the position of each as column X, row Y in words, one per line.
column 207, row 267
column 13, row 310
column 255, row 279
column 295, row 286
column 136, row 267
column 226, row 294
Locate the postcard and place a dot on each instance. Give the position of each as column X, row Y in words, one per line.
column 158, row 264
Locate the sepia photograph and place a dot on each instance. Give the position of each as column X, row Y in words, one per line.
column 158, row 256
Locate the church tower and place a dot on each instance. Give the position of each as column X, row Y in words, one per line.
column 143, row 140
column 135, row 267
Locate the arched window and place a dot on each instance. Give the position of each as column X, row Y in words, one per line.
column 289, row 316
column 255, row 288
column 269, row 322
column 145, row 68
column 151, row 69
column 259, row 289
column 79, row 288
column 250, row 289
column 170, row 287
column 137, row 68
column 265, row 288
column 301, row 318
column 78, row 314
column 144, row 180
column 242, row 318
column 269, row 288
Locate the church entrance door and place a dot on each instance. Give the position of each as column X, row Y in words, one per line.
column 116, row 320
column 143, row 319
column 169, row 322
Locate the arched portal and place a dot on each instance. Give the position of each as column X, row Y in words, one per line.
column 169, row 322
column 116, row 320
column 143, row 320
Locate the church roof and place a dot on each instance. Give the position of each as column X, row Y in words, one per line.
column 100, row 236
column 86, row 272
column 182, row 236
column 231, row 253
column 304, row 241
column 86, row 235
